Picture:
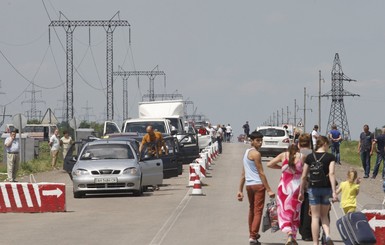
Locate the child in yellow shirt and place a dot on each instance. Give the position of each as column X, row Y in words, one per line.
column 349, row 190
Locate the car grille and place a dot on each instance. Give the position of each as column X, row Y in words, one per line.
column 105, row 171
column 109, row 185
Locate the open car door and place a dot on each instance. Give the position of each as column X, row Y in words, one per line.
column 151, row 166
column 71, row 157
column 188, row 147
column 110, row 128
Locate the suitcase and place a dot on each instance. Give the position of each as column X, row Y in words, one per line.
column 355, row 229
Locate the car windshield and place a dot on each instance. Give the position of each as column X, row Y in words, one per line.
column 107, row 151
column 272, row 132
column 140, row 127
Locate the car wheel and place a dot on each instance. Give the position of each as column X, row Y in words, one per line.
column 79, row 194
column 139, row 192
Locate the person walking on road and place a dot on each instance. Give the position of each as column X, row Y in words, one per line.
column 304, row 145
column 246, row 130
column 380, row 148
column 219, row 135
column 349, row 190
column 12, row 147
column 335, row 138
column 320, row 192
column 54, row 143
column 256, row 185
column 229, row 131
column 314, row 136
column 288, row 205
column 365, row 149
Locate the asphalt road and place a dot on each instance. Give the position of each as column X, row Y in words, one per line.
column 168, row 216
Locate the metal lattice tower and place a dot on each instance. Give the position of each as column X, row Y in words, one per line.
column 33, row 112
column 126, row 74
column 69, row 26
column 337, row 114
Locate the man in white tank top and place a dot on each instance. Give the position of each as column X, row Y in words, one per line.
column 256, row 185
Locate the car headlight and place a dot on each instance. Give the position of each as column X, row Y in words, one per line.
column 131, row 170
column 80, row 171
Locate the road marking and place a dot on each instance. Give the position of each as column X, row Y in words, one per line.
column 165, row 229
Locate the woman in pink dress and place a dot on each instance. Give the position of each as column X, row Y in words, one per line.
column 288, row 205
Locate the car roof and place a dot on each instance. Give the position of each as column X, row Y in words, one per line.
column 107, row 141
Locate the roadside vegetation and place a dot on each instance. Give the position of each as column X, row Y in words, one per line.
column 43, row 162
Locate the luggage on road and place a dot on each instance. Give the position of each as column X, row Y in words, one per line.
column 355, row 229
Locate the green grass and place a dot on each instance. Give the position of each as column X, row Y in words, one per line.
column 349, row 154
column 40, row 164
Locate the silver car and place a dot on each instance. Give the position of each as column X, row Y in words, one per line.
column 105, row 166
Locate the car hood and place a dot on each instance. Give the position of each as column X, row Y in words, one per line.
column 106, row 164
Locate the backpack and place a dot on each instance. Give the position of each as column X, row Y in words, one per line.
column 317, row 176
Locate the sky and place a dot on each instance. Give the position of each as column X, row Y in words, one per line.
column 236, row 61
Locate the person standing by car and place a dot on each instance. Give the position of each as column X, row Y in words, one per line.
column 321, row 191
column 335, row 138
column 380, row 141
column 156, row 138
column 54, row 143
column 256, row 185
column 365, row 149
column 65, row 141
column 12, row 147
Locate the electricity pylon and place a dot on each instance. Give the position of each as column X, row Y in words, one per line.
column 337, row 115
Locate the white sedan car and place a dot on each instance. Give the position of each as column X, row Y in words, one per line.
column 106, row 166
column 275, row 140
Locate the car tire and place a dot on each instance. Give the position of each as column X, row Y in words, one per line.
column 79, row 194
column 139, row 192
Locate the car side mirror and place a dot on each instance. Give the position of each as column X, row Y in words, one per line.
column 174, row 132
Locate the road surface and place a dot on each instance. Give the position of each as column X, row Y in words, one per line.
column 170, row 216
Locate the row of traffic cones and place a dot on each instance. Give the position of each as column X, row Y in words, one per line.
column 198, row 168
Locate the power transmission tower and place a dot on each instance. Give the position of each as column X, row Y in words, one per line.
column 126, row 74
column 69, row 26
column 33, row 112
column 337, row 115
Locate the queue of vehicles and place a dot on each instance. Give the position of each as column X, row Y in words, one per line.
column 114, row 163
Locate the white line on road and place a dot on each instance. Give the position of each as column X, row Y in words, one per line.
column 162, row 233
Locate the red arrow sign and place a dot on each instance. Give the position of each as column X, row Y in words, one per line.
column 32, row 198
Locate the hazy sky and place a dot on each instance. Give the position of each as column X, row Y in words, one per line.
column 236, row 60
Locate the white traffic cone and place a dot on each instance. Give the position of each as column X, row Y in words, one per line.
column 192, row 176
column 197, row 188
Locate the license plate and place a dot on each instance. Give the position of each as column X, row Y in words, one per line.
column 270, row 142
column 106, row 180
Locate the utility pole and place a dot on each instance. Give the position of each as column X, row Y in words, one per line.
column 337, row 115
column 304, row 109
column 69, row 27
column 126, row 74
